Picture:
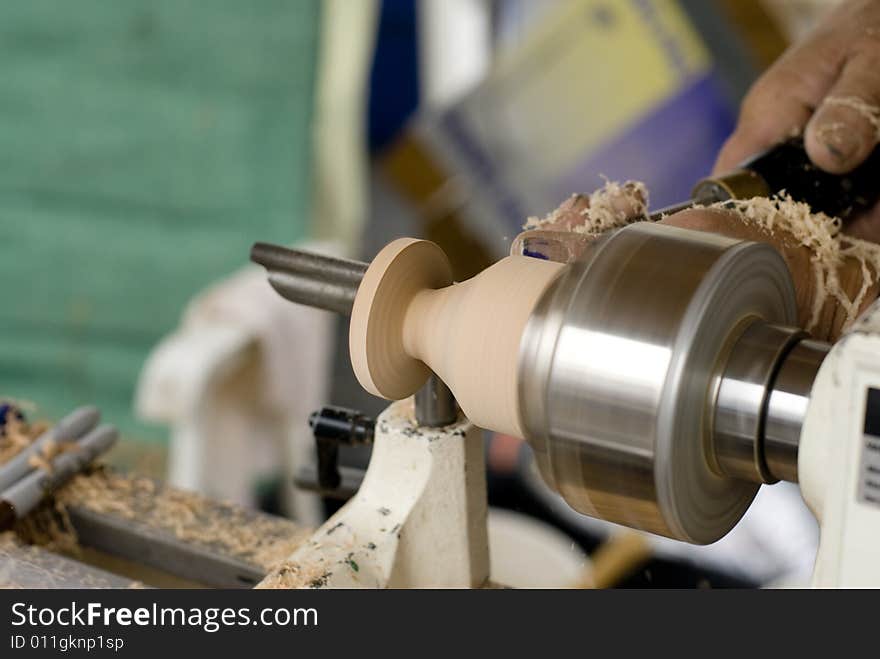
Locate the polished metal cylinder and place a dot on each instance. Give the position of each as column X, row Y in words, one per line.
column 435, row 404
column 741, row 401
column 324, row 282
column 308, row 264
column 617, row 366
column 787, row 406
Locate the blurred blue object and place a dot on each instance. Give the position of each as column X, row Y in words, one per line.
column 394, row 78
column 9, row 411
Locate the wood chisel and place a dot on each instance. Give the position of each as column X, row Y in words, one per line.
column 786, row 168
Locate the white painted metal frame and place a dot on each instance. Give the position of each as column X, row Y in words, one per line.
column 418, row 520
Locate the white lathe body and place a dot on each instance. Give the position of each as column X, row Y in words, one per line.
column 417, row 521
column 839, row 458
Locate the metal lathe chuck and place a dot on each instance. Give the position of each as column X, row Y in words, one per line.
column 646, row 375
column 660, row 379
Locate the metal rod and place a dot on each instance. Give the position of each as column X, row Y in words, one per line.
column 324, row 282
column 276, row 257
column 657, row 215
column 330, row 283
column 313, row 292
column 70, row 428
column 25, row 494
column 435, row 404
column 350, row 479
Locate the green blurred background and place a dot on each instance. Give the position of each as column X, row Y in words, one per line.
column 144, row 146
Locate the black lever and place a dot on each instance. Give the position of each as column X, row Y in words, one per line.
column 333, row 427
column 787, row 167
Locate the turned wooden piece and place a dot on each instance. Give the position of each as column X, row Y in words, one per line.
column 409, row 317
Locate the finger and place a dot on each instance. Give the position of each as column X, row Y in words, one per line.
column 865, row 226
column 559, row 246
column 564, row 234
column 846, row 127
column 618, row 202
column 780, row 103
column 569, row 215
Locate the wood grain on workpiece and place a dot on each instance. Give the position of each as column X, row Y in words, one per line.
column 468, row 333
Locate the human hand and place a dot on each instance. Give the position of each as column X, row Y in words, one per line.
column 826, row 87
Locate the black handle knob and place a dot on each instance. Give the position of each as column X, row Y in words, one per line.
column 331, row 427
column 787, row 167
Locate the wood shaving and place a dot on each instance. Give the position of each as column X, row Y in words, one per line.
column 289, row 576
column 611, row 206
column 38, row 461
column 259, row 539
column 868, row 111
column 822, row 235
column 49, row 526
column 18, row 434
column 793, row 223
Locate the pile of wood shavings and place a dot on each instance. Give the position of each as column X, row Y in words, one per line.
column 822, row 235
column 289, row 576
column 17, row 434
column 611, row 206
column 792, row 223
column 49, row 526
column 255, row 538
column 48, row 451
column 258, row 539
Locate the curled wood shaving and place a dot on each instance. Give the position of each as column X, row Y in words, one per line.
column 798, row 225
column 262, row 540
column 611, row 206
column 289, row 575
column 49, row 526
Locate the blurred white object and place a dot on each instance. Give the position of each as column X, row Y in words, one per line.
column 455, row 48
column 341, row 167
column 774, row 543
column 527, row 553
column 515, row 19
column 839, row 457
column 798, row 17
column 236, row 382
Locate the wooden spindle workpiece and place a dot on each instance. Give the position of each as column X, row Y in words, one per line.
column 409, row 318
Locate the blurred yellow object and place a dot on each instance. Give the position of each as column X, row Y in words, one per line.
column 615, row 559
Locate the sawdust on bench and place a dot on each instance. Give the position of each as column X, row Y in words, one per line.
column 16, row 435
column 256, row 538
